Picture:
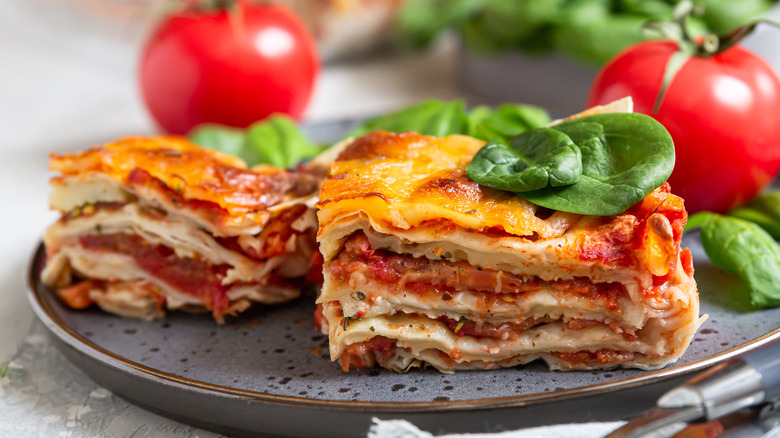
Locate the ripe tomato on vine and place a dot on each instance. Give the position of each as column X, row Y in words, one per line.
column 720, row 103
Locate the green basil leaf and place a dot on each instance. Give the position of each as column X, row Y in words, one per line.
column 624, row 158
column 506, row 121
column 597, row 41
column 432, row 117
column 420, row 21
column 648, row 8
column 745, row 249
column 590, row 30
column 278, row 141
column 441, row 118
column 533, row 160
column 764, row 210
column 726, row 15
column 502, row 23
column 224, row 139
column 695, row 221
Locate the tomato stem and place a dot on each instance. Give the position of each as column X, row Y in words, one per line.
column 705, row 46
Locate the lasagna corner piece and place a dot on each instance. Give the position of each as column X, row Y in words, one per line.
column 425, row 266
column 156, row 223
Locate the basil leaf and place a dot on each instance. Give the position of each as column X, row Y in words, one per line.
column 533, row 160
column 597, row 41
column 764, row 210
column 224, row 139
column 503, row 24
column 420, row 21
column 440, row 118
column 695, row 221
column 506, row 121
column 432, row 117
column 647, row 8
column 624, row 158
column 745, row 249
column 278, row 142
column 726, row 15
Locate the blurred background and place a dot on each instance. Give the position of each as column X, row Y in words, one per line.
column 376, row 54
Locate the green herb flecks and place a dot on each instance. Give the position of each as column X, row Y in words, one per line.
column 347, row 319
column 461, row 322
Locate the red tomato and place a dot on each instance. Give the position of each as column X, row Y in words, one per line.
column 229, row 67
column 723, row 114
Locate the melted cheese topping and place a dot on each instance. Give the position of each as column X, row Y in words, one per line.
column 409, row 179
column 188, row 173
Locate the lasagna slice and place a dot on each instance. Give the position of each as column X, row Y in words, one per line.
column 156, row 223
column 424, row 266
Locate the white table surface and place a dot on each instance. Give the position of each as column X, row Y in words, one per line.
column 67, row 81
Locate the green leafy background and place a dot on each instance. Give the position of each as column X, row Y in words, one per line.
column 589, row 30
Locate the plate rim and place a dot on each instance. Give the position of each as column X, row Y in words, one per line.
column 66, row 334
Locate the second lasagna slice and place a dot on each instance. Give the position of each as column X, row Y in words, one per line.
column 156, row 223
column 424, row 266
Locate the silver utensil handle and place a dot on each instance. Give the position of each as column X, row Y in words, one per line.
column 766, row 360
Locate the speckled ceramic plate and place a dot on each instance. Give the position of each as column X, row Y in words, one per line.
column 268, row 372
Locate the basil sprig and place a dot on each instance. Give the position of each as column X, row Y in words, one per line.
column 743, row 243
column 623, row 158
column 763, row 210
column 276, row 140
column 279, row 142
column 431, row 117
column 745, row 249
column 531, row 161
column 224, row 139
column 440, row 118
column 505, row 121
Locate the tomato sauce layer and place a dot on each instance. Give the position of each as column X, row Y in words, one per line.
column 512, row 331
column 355, row 354
column 421, row 275
column 190, row 276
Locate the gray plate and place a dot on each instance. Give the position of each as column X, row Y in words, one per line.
column 268, row 371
